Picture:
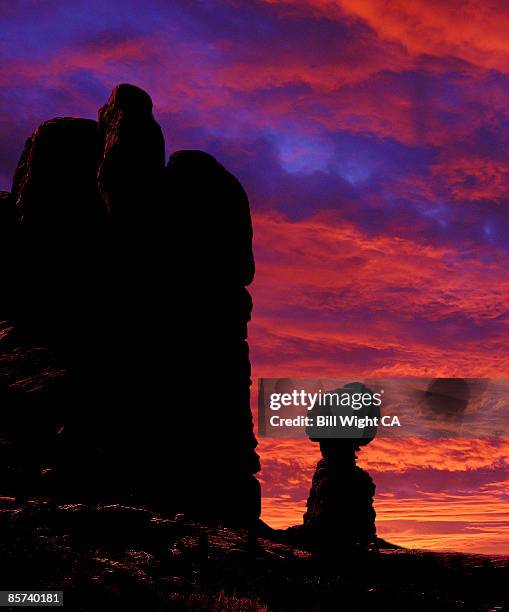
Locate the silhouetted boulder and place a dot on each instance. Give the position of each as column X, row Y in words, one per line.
column 61, row 220
column 56, row 296
column 212, row 312
column 54, row 184
column 132, row 160
column 204, row 196
column 136, row 313
column 7, row 213
column 130, row 368
column 8, row 236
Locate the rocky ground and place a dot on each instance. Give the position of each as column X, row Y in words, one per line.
column 120, row 557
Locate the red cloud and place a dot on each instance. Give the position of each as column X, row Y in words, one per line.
column 473, row 178
column 329, row 297
column 469, row 517
column 472, row 31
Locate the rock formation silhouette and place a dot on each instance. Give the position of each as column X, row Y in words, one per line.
column 60, row 214
column 50, row 299
column 340, row 514
column 132, row 157
column 214, row 306
column 7, row 213
column 132, row 278
column 8, row 228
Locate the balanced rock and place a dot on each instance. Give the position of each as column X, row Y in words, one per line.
column 340, row 514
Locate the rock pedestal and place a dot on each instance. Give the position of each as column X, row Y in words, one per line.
column 340, row 513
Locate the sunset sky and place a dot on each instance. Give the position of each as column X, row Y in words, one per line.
column 372, row 137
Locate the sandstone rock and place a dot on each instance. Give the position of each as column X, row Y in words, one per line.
column 157, row 384
column 340, row 511
column 211, row 209
column 129, row 177
column 61, row 220
column 132, row 161
column 200, row 185
column 57, row 285
column 7, row 213
column 8, row 239
column 54, row 187
column 340, row 514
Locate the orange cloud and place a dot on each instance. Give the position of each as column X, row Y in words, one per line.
column 472, row 31
column 328, row 297
column 471, row 518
